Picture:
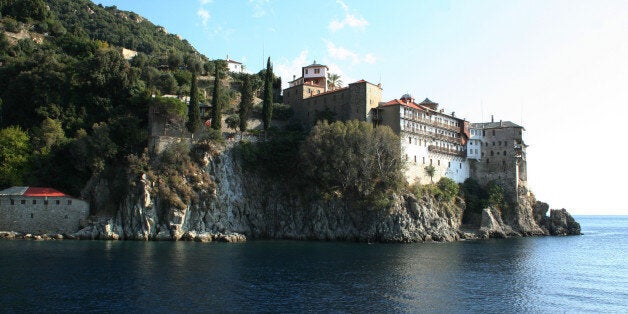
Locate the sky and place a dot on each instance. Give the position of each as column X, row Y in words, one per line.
column 559, row 68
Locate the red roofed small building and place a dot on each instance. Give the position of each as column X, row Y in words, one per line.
column 41, row 210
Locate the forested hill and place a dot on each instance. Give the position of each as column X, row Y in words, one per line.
column 71, row 106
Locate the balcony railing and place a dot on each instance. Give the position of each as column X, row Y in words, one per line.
column 448, row 151
column 442, row 137
column 432, row 122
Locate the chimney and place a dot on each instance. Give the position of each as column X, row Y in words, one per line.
column 294, row 77
column 492, row 120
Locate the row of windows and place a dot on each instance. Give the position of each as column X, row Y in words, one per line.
column 316, row 71
column 493, row 153
column 480, row 132
column 437, row 162
column 413, row 114
column 45, row 202
column 499, row 143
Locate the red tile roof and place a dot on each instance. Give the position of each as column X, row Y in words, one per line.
column 402, row 103
column 42, row 192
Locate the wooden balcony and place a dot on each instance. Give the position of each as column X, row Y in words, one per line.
column 443, row 150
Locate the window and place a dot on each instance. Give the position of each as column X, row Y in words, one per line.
column 424, row 160
column 23, row 202
column 409, row 140
column 491, row 153
column 57, row 202
column 487, row 160
column 34, row 202
column 460, row 165
column 449, row 164
column 12, row 202
column 438, row 162
column 430, row 161
column 493, row 143
column 31, row 215
column 305, row 71
column 415, row 159
column 504, row 153
column 69, row 202
column 493, row 132
column 45, row 202
column 499, row 143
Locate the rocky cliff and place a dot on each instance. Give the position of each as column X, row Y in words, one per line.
column 240, row 206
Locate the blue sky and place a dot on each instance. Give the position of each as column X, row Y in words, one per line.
column 558, row 67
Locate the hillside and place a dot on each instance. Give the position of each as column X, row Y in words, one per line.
column 72, row 105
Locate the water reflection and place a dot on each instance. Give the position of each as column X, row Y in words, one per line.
column 581, row 274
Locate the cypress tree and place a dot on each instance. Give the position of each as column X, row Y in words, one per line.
column 246, row 103
column 267, row 106
column 216, row 110
column 194, row 113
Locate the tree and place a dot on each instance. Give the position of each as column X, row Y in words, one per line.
column 448, row 187
column 216, row 106
column 333, row 81
column 233, row 121
column 353, row 158
column 267, row 105
column 194, row 112
column 49, row 134
column 14, row 155
column 430, row 171
column 246, row 103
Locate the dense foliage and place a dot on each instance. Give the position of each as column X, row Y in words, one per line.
column 194, row 112
column 353, row 159
column 72, row 98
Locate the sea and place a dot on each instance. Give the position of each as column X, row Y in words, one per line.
column 587, row 273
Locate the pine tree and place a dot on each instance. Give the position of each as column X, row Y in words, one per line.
column 246, row 103
column 194, row 113
column 216, row 108
column 267, row 106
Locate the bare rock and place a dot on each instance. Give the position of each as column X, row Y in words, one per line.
column 562, row 223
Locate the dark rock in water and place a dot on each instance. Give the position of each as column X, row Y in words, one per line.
column 562, row 223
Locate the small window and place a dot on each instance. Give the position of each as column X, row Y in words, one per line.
column 500, row 143
column 491, row 153
column 493, row 143
column 66, row 216
column 34, row 202
column 305, row 71
column 317, row 71
column 409, row 140
column 430, row 161
column 415, row 159
column 424, row 160
column 57, row 202
column 449, row 164
column 460, row 165
column 31, row 215
column 12, row 202
column 493, row 132
column 23, row 202
column 504, row 153
column 487, row 160
column 45, row 202
column 69, row 202
column 438, row 162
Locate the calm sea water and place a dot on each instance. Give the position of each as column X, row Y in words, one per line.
column 586, row 273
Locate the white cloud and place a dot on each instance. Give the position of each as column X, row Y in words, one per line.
column 204, row 15
column 349, row 20
column 204, row 2
column 370, row 58
column 342, row 54
column 289, row 68
column 259, row 7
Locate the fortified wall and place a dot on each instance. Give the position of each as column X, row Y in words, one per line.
column 30, row 213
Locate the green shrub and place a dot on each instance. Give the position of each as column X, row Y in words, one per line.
column 448, row 188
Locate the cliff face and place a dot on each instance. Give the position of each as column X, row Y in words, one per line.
column 243, row 206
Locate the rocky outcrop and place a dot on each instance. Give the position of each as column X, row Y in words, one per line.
column 244, row 206
column 562, row 223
